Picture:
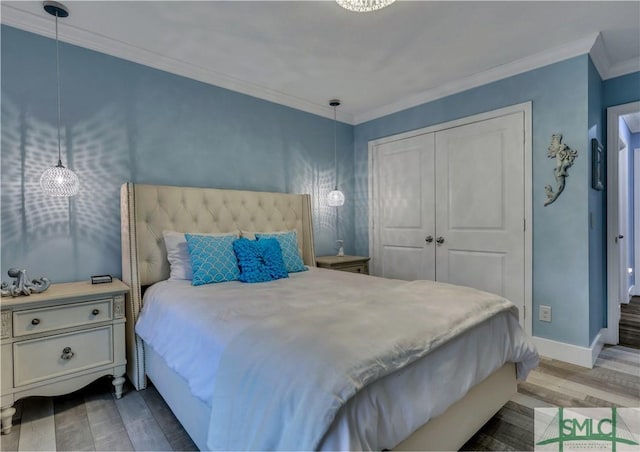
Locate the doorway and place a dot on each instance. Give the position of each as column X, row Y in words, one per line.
column 621, row 212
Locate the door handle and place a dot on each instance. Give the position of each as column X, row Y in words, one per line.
column 440, row 240
column 428, row 239
column 621, row 236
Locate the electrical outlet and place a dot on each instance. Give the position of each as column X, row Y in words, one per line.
column 545, row 313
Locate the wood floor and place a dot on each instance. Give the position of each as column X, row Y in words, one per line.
column 629, row 326
column 91, row 419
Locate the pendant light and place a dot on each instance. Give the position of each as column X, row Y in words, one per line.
column 336, row 197
column 58, row 180
column 364, row 6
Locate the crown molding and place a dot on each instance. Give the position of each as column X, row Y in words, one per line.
column 623, row 68
column 84, row 38
column 535, row 61
column 41, row 25
column 600, row 57
column 602, row 62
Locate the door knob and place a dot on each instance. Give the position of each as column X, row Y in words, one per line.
column 428, row 239
column 621, row 236
column 440, row 240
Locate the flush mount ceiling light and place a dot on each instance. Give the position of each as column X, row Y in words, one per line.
column 364, row 6
column 58, row 180
column 336, row 197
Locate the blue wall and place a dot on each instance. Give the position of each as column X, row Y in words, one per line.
column 128, row 122
column 621, row 90
column 597, row 209
column 559, row 94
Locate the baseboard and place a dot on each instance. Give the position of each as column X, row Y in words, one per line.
column 574, row 354
column 596, row 347
column 610, row 336
column 632, row 292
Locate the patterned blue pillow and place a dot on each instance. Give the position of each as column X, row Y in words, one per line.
column 259, row 261
column 289, row 244
column 212, row 259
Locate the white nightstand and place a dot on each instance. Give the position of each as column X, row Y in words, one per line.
column 61, row 340
column 354, row 264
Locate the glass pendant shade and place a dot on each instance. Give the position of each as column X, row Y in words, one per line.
column 59, row 181
column 335, row 198
column 364, row 6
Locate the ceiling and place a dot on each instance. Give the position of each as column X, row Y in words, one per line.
column 633, row 121
column 303, row 53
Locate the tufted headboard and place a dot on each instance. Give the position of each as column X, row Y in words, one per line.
column 147, row 210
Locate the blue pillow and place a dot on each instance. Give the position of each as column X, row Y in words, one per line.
column 289, row 244
column 212, row 258
column 259, row 261
column 273, row 259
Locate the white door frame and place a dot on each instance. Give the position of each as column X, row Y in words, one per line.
column 528, row 183
column 636, row 219
column 610, row 333
column 623, row 217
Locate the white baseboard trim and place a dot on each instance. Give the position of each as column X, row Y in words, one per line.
column 574, row 354
column 609, row 337
column 596, row 347
column 632, row 291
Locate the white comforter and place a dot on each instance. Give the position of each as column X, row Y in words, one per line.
column 192, row 327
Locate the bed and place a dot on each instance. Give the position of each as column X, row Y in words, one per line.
column 433, row 402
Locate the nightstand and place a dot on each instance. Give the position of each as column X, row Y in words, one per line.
column 61, row 340
column 354, row 264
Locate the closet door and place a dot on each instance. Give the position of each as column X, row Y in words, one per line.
column 480, row 206
column 404, row 209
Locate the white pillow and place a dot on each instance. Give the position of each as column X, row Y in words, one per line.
column 178, row 253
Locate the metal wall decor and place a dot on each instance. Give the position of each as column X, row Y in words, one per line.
column 565, row 156
column 22, row 285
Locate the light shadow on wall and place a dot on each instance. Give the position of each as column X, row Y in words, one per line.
column 56, row 237
column 309, row 178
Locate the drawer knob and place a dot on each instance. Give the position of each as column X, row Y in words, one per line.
column 95, row 312
column 67, row 353
column 35, row 322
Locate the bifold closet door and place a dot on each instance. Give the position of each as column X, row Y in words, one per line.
column 404, row 199
column 480, row 206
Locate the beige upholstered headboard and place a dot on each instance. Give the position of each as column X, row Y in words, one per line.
column 147, row 210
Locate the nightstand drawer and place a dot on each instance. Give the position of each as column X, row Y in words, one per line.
column 48, row 357
column 352, row 269
column 64, row 316
column 352, row 264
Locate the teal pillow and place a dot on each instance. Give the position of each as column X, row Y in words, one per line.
column 289, row 244
column 259, row 261
column 212, row 258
